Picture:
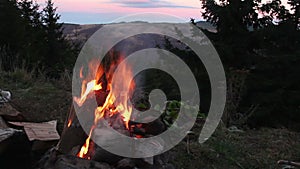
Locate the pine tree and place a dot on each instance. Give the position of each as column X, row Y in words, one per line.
column 33, row 47
column 280, row 35
column 10, row 34
column 33, row 37
column 273, row 12
column 236, row 21
column 58, row 48
column 295, row 6
column 231, row 16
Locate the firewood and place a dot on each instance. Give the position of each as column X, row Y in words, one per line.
column 73, row 135
column 291, row 163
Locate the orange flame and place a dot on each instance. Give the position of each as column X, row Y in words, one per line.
column 69, row 123
column 116, row 100
column 84, row 149
column 90, row 87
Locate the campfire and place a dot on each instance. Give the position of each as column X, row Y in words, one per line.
column 116, row 108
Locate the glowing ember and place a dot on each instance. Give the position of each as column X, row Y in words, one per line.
column 116, row 100
column 69, row 123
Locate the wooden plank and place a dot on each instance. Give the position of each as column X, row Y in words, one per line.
column 39, row 131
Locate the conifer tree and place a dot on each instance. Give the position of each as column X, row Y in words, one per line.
column 58, row 50
column 295, row 6
column 33, row 38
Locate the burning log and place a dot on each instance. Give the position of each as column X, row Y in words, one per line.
column 113, row 109
column 72, row 135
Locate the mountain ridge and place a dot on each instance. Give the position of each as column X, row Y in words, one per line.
column 81, row 32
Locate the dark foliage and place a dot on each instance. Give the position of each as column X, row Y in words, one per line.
column 33, row 38
column 264, row 39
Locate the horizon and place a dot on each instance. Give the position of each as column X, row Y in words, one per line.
column 107, row 11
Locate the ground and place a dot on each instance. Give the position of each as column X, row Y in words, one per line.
column 249, row 149
column 44, row 100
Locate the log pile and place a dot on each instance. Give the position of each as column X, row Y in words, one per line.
column 64, row 155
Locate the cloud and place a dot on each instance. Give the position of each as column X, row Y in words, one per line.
column 148, row 4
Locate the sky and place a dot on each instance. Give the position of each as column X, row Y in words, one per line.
column 107, row 11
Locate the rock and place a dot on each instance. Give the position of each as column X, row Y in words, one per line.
column 9, row 113
column 72, row 162
column 3, row 124
column 6, row 138
column 17, row 153
column 53, row 160
column 126, row 163
column 5, row 135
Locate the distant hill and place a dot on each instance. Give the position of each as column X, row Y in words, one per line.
column 81, row 33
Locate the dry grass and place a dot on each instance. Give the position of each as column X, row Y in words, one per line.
column 38, row 99
column 241, row 150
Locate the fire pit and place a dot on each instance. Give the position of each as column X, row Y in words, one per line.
column 76, row 149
